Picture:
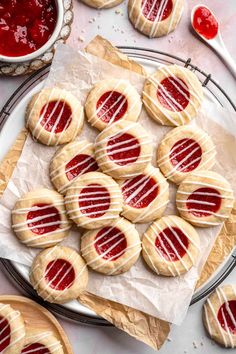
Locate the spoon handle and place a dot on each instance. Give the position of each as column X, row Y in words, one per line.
column 222, row 51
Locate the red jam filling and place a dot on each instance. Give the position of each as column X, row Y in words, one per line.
column 140, row 191
column 79, row 165
column 60, row 274
column 173, row 94
column 204, row 202
column 172, row 244
column 44, row 219
column 186, row 155
column 227, row 316
column 94, row 201
column 157, row 10
column 205, row 23
column 35, row 348
column 25, row 25
column 5, row 331
column 111, row 243
column 123, row 149
column 56, row 116
column 111, row 106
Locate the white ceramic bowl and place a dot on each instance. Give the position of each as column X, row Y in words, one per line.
column 47, row 45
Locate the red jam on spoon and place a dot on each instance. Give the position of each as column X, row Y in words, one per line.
column 25, row 25
column 205, row 23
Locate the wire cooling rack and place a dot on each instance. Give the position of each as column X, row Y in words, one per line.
column 154, row 56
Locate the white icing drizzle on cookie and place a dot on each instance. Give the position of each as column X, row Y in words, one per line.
column 209, row 310
column 124, row 231
column 201, row 141
column 156, row 23
column 38, row 338
column 82, row 148
column 86, row 196
column 183, row 116
column 101, row 150
column 125, row 92
column 62, row 97
column 10, row 318
column 112, row 193
column 156, row 229
column 140, row 185
column 213, row 185
column 63, row 225
column 72, row 259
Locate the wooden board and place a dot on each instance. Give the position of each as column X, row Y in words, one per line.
column 36, row 316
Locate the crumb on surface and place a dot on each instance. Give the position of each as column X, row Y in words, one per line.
column 81, row 39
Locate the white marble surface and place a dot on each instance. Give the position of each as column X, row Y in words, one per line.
column 116, row 27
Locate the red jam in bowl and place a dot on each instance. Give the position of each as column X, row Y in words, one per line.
column 25, row 25
column 205, row 23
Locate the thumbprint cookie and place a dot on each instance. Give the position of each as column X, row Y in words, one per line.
column 219, row 315
column 145, row 196
column 59, row 274
column 205, row 198
column 12, row 330
column 170, row 246
column 41, row 343
column 110, row 101
column 70, row 162
column 155, row 18
column 102, row 4
column 54, row 116
column 183, row 150
column 39, row 218
column 172, row 95
column 123, row 150
column 112, row 249
column 94, row 200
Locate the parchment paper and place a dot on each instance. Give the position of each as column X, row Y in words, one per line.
column 146, row 291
